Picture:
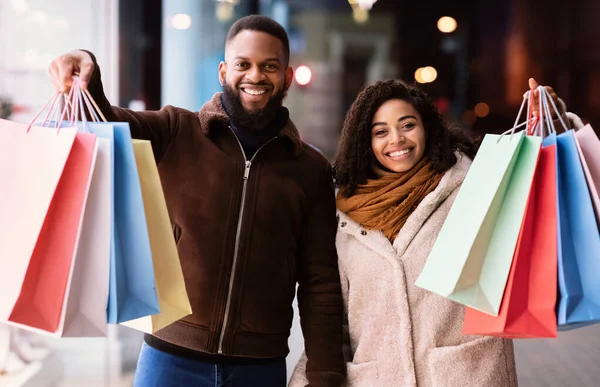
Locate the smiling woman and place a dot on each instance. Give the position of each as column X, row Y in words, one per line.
column 397, row 135
column 399, row 169
column 394, row 126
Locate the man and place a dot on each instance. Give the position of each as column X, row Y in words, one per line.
column 253, row 213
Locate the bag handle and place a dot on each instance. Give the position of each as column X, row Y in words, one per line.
column 516, row 125
column 75, row 107
column 548, row 97
column 64, row 109
column 51, row 102
column 89, row 99
column 547, row 113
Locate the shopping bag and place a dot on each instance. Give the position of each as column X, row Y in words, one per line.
column 31, row 164
column 85, row 314
column 588, row 147
column 579, row 239
column 170, row 284
column 471, row 258
column 132, row 290
column 41, row 302
column 528, row 304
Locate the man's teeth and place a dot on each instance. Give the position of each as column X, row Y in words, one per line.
column 254, row 92
column 400, row 153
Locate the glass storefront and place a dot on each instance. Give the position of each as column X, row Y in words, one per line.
column 33, row 32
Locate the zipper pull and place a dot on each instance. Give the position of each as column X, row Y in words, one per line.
column 247, row 170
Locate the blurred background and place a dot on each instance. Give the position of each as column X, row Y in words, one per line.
column 474, row 57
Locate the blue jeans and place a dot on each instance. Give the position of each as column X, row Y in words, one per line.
column 160, row 369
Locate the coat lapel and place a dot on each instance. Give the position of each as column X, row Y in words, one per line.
column 373, row 239
column 451, row 180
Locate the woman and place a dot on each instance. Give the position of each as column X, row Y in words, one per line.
column 398, row 170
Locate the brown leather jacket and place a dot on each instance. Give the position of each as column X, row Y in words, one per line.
column 246, row 231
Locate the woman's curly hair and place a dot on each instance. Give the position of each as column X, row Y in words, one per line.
column 353, row 163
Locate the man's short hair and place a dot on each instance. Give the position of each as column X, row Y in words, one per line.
column 263, row 24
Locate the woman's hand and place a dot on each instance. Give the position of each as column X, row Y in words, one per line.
column 533, row 85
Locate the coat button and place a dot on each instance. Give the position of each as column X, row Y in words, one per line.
column 343, row 224
column 363, row 232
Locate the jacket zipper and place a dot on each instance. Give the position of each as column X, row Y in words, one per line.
column 238, row 233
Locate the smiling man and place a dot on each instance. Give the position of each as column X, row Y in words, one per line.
column 253, row 213
column 255, row 77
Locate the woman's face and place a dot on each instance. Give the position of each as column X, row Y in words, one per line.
column 397, row 135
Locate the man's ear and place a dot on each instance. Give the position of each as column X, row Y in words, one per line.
column 222, row 73
column 289, row 77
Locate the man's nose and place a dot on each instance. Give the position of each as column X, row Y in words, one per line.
column 255, row 74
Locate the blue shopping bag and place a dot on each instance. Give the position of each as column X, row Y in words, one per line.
column 132, row 287
column 578, row 239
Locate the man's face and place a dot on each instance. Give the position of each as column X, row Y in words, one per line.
column 255, row 76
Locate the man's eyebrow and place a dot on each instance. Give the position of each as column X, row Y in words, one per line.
column 274, row 59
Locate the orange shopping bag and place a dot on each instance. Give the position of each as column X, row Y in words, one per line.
column 529, row 301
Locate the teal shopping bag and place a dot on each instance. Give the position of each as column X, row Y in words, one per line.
column 471, row 258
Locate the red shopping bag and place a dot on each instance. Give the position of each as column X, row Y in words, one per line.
column 529, row 301
column 40, row 303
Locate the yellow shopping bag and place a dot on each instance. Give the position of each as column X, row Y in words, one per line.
column 170, row 286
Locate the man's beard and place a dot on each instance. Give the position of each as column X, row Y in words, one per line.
column 251, row 121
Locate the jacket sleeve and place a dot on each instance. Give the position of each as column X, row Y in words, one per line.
column 298, row 378
column 319, row 291
column 159, row 127
column 572, row 120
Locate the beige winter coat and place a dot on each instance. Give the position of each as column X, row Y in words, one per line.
column 398, row 334
column 402, row 335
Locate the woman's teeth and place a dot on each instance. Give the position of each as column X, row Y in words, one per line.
column 400, row 153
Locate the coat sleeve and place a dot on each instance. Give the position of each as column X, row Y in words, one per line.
column 159, row 127
column 572, row 120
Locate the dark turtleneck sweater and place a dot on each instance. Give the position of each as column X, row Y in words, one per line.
column 252, row 140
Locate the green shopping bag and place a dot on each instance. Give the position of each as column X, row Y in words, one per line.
column 471, row 258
